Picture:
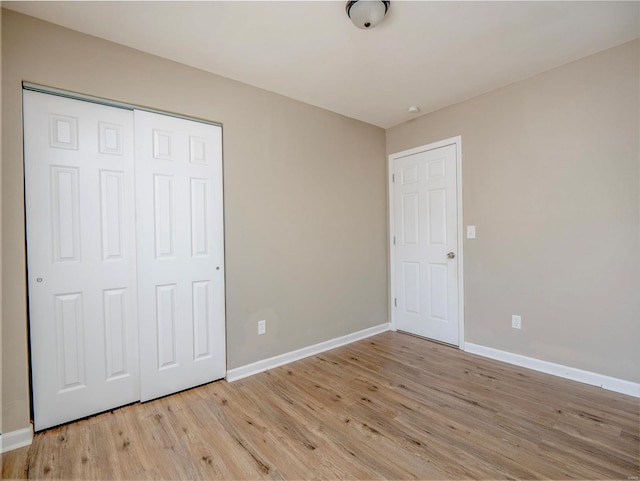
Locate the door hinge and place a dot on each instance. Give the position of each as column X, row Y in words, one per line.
column 393, row 177
column 394, row 240
column 395, row 301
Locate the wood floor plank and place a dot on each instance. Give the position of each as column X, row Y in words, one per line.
column 338, row 432
column 15, row 464
column 389, row 407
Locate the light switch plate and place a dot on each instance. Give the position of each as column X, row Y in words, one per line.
column 471, row 232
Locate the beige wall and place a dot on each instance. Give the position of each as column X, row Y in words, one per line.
column 305, row 198
column 551, row 180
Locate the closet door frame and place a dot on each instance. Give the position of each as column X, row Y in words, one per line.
column 113, row 103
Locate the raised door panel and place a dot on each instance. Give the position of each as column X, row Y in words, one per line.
column 436, row 219
column 165, row 317
column 410, row 218
column 65, row 208
column 438, row 295
column 69, row 341
column 201, row 320
column 411, row 287
column 112, row 215
column 164, row 216
column 115, row 323
column 200, row 224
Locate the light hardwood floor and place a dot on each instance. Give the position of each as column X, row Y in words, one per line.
column 389, row 407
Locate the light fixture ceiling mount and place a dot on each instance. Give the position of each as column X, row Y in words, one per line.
column 366, row 14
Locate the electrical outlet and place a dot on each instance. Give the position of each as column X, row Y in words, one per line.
column 516, row 322
column 262, row 327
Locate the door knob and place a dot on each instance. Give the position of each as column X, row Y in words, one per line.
column 451, row 255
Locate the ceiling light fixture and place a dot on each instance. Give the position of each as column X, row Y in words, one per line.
column 366, row 14
column 413, row 110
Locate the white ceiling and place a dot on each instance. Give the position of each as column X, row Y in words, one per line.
column 428, row 54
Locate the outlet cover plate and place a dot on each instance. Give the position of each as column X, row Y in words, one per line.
column 262, row 327
column 516, row 322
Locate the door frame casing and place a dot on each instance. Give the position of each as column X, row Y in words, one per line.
column 457, row 141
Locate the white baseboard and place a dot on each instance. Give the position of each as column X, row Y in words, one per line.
column 276, row 361
column 16, row 439
column 587, row 377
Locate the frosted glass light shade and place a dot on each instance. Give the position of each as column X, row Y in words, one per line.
column 366, row 14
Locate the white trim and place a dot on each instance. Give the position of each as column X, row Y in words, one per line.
column 587, row 377
column 16, row 439
column 457, row 141
column 392, row 252
column 276, row 361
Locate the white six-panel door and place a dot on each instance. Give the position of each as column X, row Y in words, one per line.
column 426, row 231
column 180, row 253
column 125, row 255
column 81, row 257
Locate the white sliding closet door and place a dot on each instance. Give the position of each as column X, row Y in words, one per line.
column 180, row 253
column 81, row 257
column 125, row 255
